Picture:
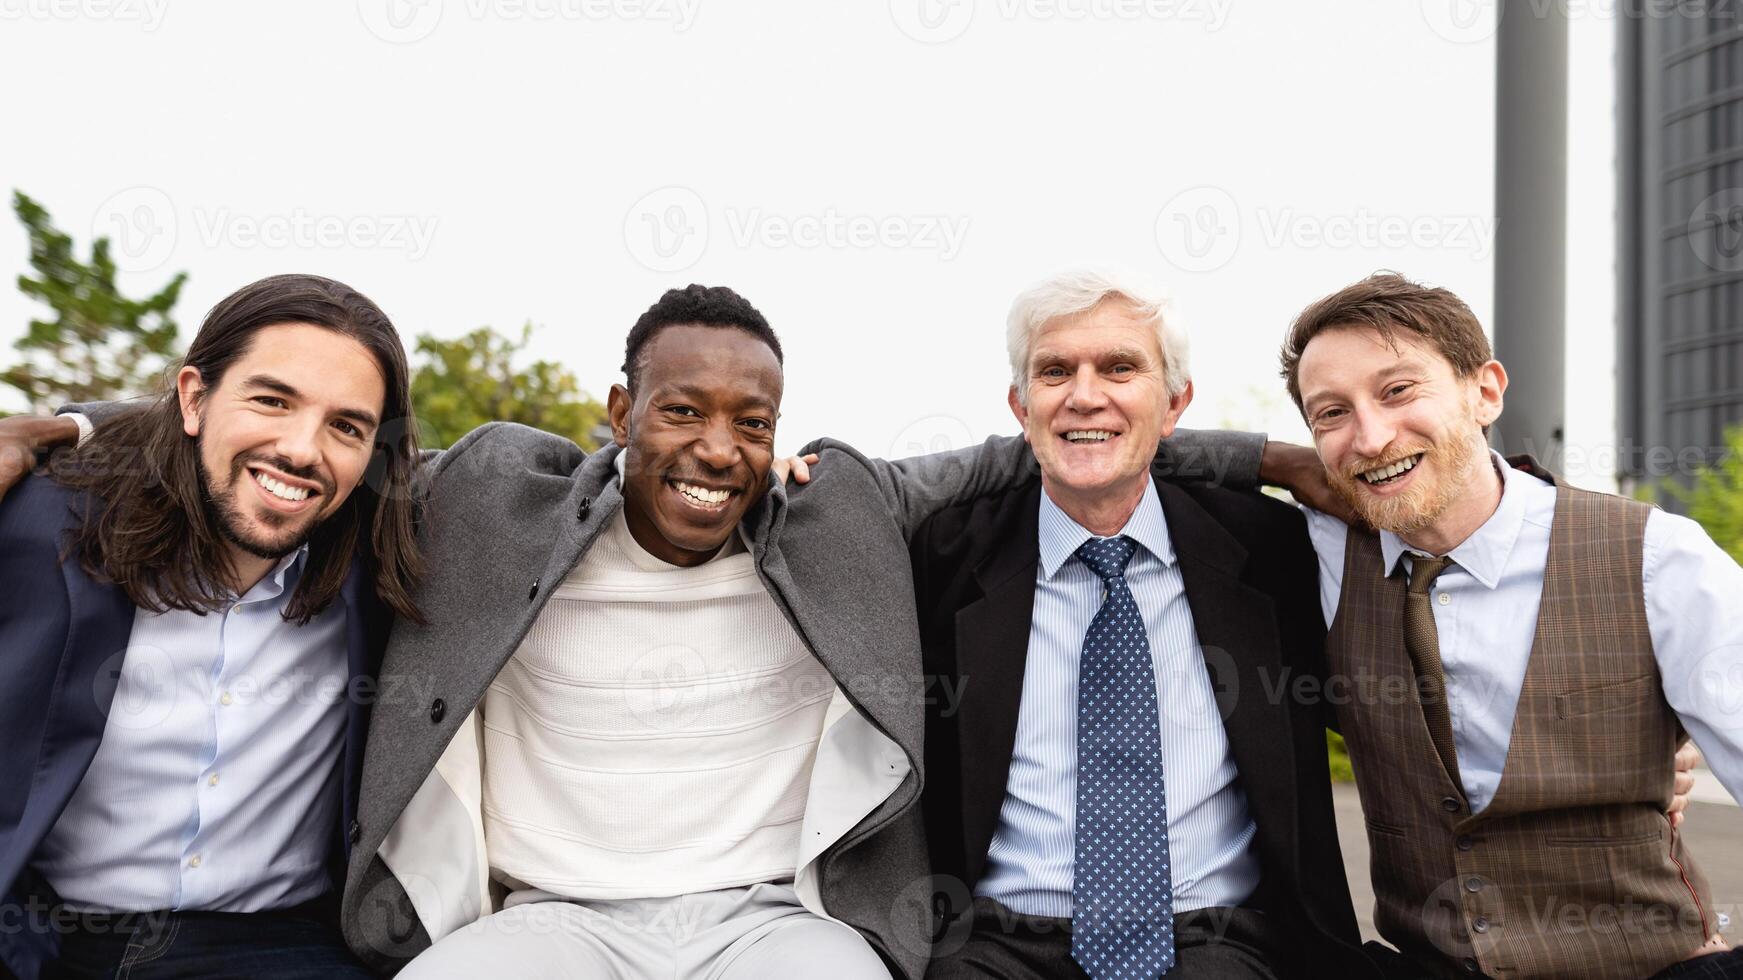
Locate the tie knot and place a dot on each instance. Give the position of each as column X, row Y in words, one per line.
column 1107, row 557
column 1423, row 571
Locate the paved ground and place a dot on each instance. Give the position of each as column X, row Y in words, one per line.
column 1714, row 833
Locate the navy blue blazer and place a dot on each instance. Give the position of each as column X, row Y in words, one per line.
column 62, row 636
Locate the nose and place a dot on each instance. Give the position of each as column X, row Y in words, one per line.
column 1085, row 395
column 716, row 448
column 299, row 442
column 1373, row 432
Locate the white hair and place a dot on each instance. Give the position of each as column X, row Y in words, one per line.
column 1078, row 290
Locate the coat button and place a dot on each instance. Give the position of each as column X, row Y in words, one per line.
column 438, row 709
column 1480, row 923
column 354, row 833
column 1450, row 804
column 533, row 593
column 581, row 511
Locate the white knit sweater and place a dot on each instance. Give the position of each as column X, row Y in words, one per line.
column 655, row 732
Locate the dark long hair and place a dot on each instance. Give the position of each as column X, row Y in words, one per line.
column 148, row 525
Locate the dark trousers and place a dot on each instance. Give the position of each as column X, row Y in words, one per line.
column 1209, row 944
column 296, row 944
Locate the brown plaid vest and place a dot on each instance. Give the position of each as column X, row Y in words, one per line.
column 1572, row 870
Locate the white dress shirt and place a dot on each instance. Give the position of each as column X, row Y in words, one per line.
column 1485, row 612
column 216, row 786
column 1210, row 831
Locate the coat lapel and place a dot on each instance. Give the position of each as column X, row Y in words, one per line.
column 1237, row 631
column 992, row 649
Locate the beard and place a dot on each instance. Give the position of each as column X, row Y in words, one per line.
column 284, row 536
column 1452, row 455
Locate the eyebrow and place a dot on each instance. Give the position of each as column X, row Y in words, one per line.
column 272, row 384
column 1117, row 354
column 695, row 393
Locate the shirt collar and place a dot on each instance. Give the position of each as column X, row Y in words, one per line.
column 1061, row 536
column 1484, row 554
column 282, row 579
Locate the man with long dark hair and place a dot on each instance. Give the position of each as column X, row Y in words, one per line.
column 194, row 604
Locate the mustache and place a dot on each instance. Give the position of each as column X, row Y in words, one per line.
column 284, row 466
column 1354, row 470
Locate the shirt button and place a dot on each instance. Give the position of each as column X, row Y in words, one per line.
column 225, row 698
column 212, row 780
column 1445, row 599
column 194, row 861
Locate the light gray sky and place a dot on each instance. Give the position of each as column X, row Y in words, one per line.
column 879, row 178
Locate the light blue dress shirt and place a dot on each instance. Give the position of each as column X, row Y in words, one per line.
column 1485, row 612
column 217, row 783
column 1210, row 831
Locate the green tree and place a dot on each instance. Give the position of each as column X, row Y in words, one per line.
column 97, row 344
column 461, row 384
column 1715, row 497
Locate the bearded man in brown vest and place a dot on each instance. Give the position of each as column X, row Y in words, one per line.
column 1513, row 661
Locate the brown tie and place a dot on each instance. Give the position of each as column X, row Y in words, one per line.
column 1423, row 642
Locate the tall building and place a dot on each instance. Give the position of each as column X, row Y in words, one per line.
column 1680, row 220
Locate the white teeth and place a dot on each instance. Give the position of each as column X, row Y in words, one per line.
column 280, row 490
column 702, row 494
column 1388, row 472
column 1089, row 435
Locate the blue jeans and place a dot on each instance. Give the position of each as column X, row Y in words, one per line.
column 289, row 945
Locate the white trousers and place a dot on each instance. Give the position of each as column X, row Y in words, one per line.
column 749, row 933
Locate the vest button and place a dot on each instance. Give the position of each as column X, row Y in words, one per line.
column 1480, row 923
column 1450, row 804
column 438, row 709
column 1471, row 966
column 1464, row 843
column 1473, row 884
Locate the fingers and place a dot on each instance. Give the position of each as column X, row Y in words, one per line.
column 1685, row 781
column 802, row 468
column 1688, row 757
column 14, row 464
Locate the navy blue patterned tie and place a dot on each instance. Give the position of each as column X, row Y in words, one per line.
column 1123, row 900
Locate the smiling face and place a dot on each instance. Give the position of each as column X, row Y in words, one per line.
column 285, row 436
column 698, row 437
column 1399, row 432
column 1097, row 402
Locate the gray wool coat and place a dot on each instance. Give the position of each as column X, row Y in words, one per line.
column 510, row 511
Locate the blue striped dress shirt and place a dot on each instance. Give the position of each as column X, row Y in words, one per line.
column 1210, row 831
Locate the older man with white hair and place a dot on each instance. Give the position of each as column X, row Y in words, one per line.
column 1124, row 791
